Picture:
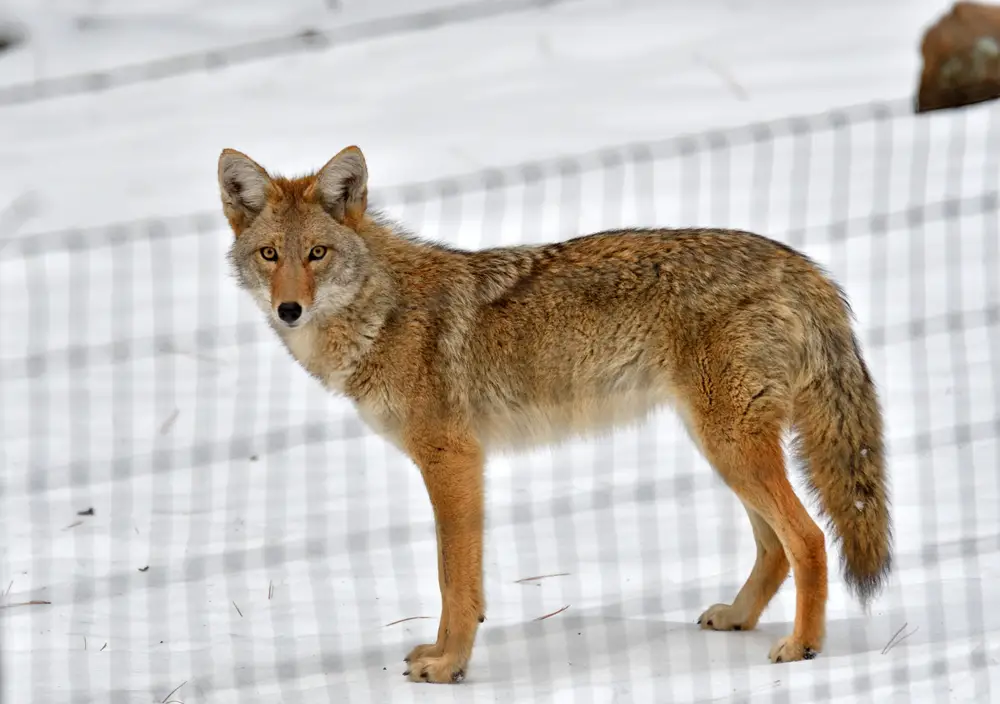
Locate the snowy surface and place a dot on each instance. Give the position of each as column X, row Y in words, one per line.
column 281, row 537
column 467, row 96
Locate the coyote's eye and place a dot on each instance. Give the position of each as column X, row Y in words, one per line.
column 317, row 253
column 268, row 254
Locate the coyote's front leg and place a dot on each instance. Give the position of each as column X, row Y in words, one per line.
column 452, row 466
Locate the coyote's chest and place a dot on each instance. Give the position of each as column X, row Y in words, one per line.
column 301, row 342
column 319, row 355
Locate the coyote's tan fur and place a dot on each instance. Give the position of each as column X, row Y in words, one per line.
column 450, row 354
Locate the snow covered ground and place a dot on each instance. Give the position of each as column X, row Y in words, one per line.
column 281, row 537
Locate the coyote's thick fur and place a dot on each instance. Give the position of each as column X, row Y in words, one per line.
column 450, row 354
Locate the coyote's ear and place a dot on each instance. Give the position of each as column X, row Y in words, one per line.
column 342, row 186
column 243, row 184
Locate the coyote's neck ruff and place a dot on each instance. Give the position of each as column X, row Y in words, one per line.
column 450, row 354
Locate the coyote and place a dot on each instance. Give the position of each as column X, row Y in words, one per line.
column 452, row 354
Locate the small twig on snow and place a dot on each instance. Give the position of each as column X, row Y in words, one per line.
column 411, row 618
column 169, row 422
column 893, row 642
column 164, row 700
column 541, row 576
column 26, row 603
column 542, row 618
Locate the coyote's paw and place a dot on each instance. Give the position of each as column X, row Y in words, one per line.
column 430, row 650
column 723, row 617
column 435, row 668
column 789, row 650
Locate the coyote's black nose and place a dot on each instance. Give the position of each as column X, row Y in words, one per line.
column 289, row 312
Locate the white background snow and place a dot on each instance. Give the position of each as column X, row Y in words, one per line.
column 281, row 536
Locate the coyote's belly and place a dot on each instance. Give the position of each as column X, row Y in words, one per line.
column 521, row 426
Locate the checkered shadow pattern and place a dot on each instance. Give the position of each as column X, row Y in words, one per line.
column 188, row 517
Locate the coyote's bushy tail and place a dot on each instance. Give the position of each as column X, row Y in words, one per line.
column 838, row 424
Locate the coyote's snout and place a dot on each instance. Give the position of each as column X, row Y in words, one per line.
column 450, row 354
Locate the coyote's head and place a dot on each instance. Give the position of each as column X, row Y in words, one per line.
column 297, row 250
